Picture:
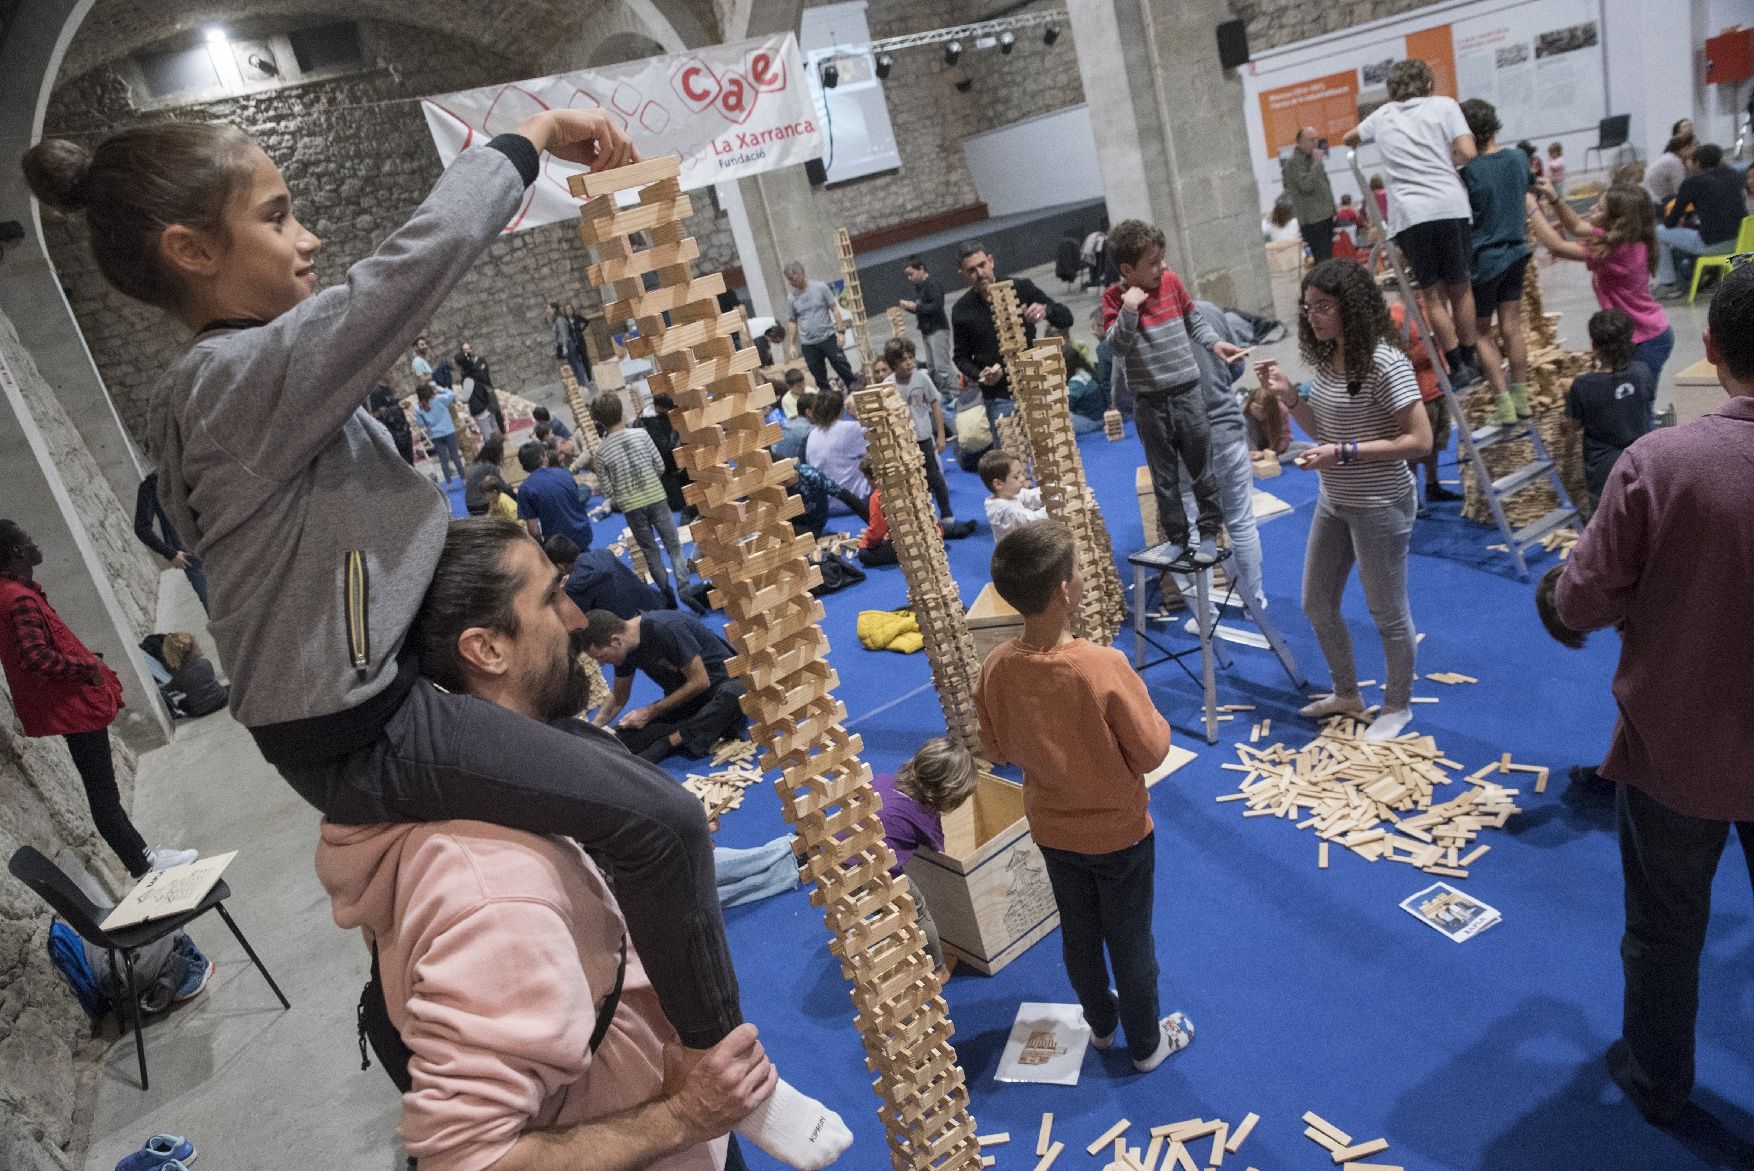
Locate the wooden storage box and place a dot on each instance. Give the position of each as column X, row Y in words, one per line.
column 991, row 621
column 988, row 892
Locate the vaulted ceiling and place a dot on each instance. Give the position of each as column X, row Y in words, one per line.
column 523, row 30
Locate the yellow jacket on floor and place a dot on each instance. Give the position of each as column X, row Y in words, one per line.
column 890, row 630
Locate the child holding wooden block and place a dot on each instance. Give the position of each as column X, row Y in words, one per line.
column 939, row 778
column 1011, row 505
column 1077, row 717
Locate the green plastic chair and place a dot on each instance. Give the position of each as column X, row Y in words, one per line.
column 1744, row 243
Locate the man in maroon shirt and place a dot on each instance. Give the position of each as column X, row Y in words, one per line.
column 1668, row 557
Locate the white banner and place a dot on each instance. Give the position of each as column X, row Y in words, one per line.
column 729, row 111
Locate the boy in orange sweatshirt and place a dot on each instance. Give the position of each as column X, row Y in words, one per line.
column 1079, row 721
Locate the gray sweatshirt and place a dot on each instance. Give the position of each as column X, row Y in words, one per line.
column 319, row 540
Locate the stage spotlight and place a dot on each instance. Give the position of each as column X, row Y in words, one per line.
column 884, row 64
column 830, row 74
column 1007, row 42
column 952, row 52
column 965, row 85
column 1051, row 35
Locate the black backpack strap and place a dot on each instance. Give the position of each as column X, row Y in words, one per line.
column 380, row 1033
column 606, row 1014
column 376, row 1028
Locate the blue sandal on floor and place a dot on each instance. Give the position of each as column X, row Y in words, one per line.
column 162, row 1152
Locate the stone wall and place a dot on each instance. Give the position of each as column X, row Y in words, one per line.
column 42, row 804
column 131, row 570
column 1272, row 23
column 357, row 170
column 931, row 118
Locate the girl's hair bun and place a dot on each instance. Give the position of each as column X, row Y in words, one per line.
column 57, row 171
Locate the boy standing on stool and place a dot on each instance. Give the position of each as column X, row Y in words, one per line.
column 1152, row 328
column 1079, row 721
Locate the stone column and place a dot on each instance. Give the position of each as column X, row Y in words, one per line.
column 1171, row 141
column 99, row 577
column 777, row 217
column 30, row 294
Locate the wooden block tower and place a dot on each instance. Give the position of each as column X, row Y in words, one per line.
column 849, row 271
column 899, row 472
column 761, row 575
column 585, row 433
column 897, row 322
column 1009, row 432
column 1039, row 385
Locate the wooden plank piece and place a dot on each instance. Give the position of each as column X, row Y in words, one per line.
column 992, row 1140
column 1242, row 1132
column 1374, row 1146
column 1053, row 1152
column 1322, row 1124
column 1108, row 1136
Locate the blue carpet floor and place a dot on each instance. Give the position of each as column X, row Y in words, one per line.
column 1312, row 989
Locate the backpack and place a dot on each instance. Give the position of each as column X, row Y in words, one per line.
column 67, row 953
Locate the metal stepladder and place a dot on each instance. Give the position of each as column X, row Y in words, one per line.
column 1472, row 442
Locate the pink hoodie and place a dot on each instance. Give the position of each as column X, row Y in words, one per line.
column 496, row 948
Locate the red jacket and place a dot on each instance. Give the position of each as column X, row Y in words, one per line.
column 49, row 669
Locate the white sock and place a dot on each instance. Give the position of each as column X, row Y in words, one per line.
column 1388, row 725
column 1333, row 705
column 796, row 1129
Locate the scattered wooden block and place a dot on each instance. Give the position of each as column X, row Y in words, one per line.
column 1219, row 1136
column 1322, row 856
column 1108, row 1136
column 988, row 1160
column 1043, row 1140
column 1468, row 859
column 1374, row 1146
column 992, row 1140
column 1242, row 1132
column 1053, row 1152
column 1318, row 1123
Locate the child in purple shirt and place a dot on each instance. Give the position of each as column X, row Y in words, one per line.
column 939, row 778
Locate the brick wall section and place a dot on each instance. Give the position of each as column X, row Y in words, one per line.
column 1272, row 23
column 42, row 804
column 356, row 172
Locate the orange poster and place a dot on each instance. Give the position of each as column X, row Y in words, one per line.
column 1330, row 104
column 1435, row 47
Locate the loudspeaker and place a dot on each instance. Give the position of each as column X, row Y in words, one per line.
column 1233, row 44
column 815, row 172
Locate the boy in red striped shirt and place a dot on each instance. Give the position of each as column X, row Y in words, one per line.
column 1152, row 329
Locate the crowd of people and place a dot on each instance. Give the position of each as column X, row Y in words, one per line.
column 421, row 682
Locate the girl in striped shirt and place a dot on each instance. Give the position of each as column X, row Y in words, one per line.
column 1362, row 408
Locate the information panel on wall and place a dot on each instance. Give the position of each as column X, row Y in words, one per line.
column 1538, row 61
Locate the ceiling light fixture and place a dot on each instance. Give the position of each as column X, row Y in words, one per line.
column 830, row 74
column 884, row 64
column 1007, row 42
column 1051, row 35
column 952, row 52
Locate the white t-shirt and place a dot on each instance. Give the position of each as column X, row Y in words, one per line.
column 1277, row 232
column 1414, row 137
column 918, row 395
column 1369, row 414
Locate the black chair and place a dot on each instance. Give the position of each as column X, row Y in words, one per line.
column 51, row 883
column 1611, row 132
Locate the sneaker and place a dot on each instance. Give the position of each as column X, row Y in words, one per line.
column 1464, row 375
column 164, row 859
column 1438, row 494
column 1519, row 398
column 197, row 971
column 1506, row 409
column 1332, row 705
column 1667, row 292
column 161, row 1152
column 1388, row 725
column 1206, row 552
column 1178, row 1034
column 958, row 529
column 1104, row 1042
